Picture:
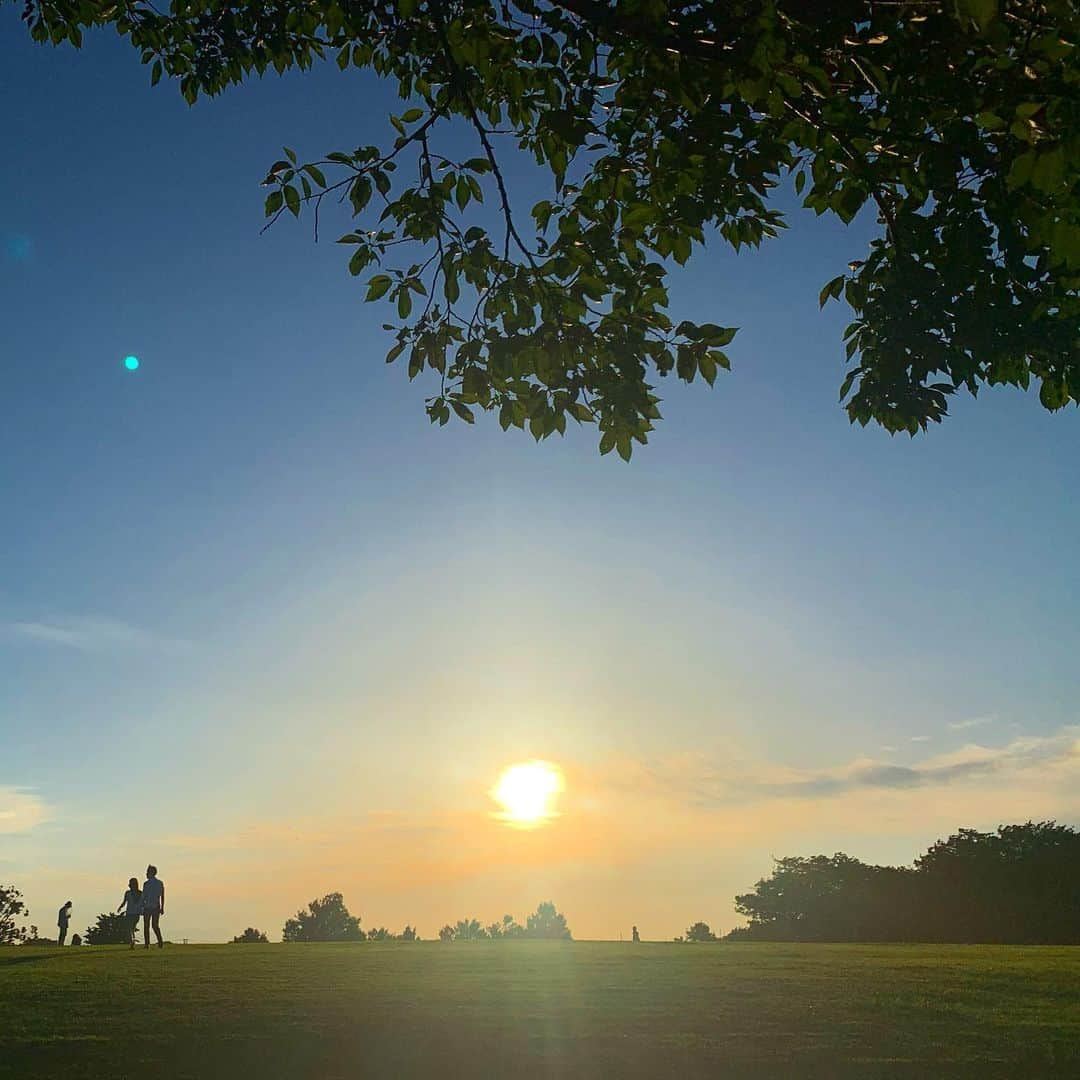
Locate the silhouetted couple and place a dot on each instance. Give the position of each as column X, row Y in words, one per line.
column 147, row 903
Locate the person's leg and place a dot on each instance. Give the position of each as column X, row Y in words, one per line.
column 146, row 931
column 133, row 921
column 157, row 929
column 63, row 934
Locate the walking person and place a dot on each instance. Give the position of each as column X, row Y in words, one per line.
column 132, row 907
column 153, row 906
column 63, row 917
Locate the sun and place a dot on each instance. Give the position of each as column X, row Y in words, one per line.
column 527, row 791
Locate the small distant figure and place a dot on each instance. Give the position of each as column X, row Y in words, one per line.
column 132, row 907
column 63, row 917
column 153, row 906
column 76, row 940
column 637, row 936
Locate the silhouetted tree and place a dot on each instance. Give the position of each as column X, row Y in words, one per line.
column 511, row 928
column 327, row 919
column 469, row 930
column 409, row 934
column 547, row 924
column 110, row 929
column 446, row 933
column 251, row 936
column 380, row 934
column 1020, row 884
column 12, row 911
column 32, row 938
column 700, row 931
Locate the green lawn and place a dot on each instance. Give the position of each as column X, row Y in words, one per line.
column 535, row 1009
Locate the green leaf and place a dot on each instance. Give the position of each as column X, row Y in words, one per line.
column 832, row 290
column 463, row 411
column 981, row 12
column 412, row 115
column 711, row 334
column 707, row 367
column 404, row 302
column 316, row 174
column 378, row 286
column 1048, row 173
column 360, row 258
column 155, row 73
column 1020, row 170
column 607, row 442
column 274, row 202
column 292, row 200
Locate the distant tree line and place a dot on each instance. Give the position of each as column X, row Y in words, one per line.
column 1018, row 885
column 328, row 919
column 544, row 924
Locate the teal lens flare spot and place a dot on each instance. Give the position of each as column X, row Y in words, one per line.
column 131, row 363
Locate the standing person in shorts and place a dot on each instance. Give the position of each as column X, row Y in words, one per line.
column 153, row 907
column 63, row 917
column 132, row 907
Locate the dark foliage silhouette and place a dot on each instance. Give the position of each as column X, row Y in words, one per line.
column 547, row 924
column 1018, row 885
column 12, row 911
column 110, row 929
column 327, row 919
column 250, row 936
column 32, row 938
column 700, row 931
column 656, row 127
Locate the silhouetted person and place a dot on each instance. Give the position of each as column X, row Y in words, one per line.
column 63, row 917
column 153, row 906
column 637, row 936
column 132, row 906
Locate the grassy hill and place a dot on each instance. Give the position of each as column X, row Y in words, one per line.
column 539, row 1009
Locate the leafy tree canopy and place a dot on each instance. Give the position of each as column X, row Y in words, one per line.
column 327, row 919
column 1018, row 884
column 109, row 929
column 251, row 936
column 547, row 923
column 661, row 124
column 700, row 931
column 12, row 911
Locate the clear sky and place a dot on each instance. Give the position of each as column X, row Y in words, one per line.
column 262, row 625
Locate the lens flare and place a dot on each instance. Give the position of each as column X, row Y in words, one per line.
column 527, row 792
column 131, row 363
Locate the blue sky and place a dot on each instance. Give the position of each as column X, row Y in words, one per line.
column 262, row 624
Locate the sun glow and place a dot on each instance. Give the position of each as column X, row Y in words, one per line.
column 527, row 793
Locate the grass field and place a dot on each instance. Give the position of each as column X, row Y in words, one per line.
column 538, row 1009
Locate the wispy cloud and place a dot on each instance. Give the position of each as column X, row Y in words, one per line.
column 20, row 810
column 920, row 738
column 975, row 721
column 705, row 784
column 92, row 634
